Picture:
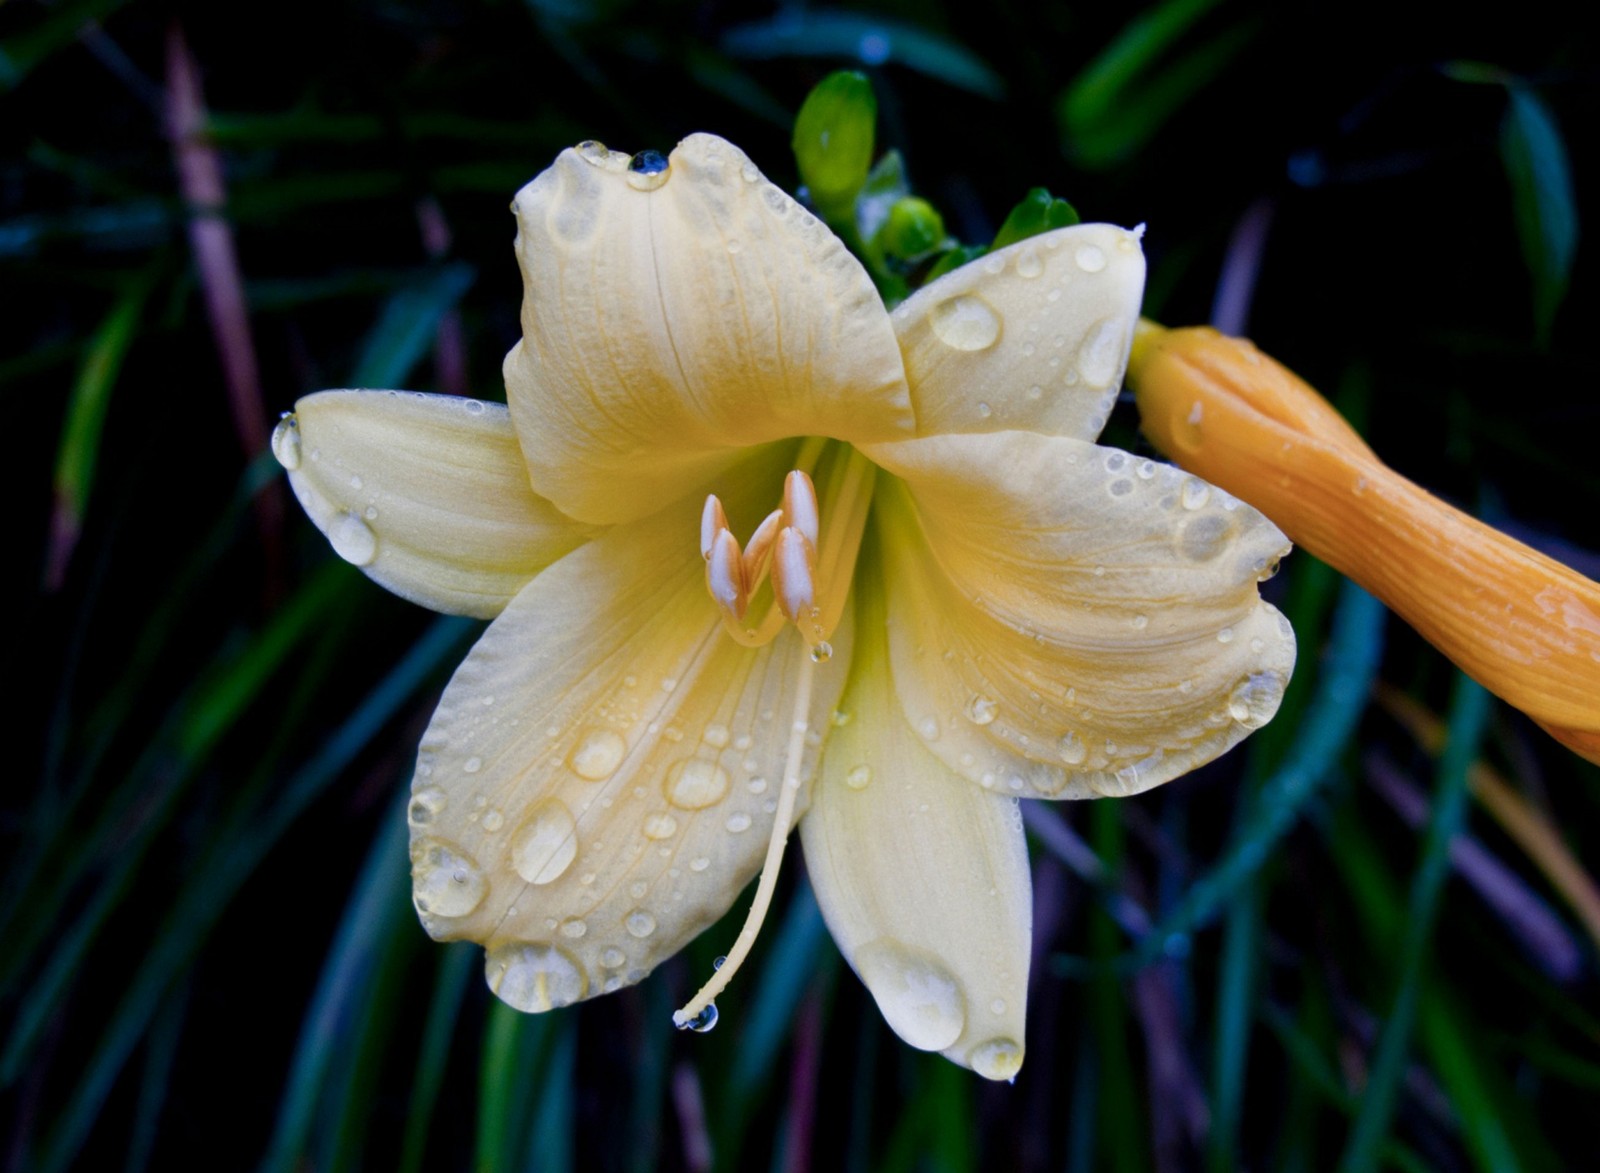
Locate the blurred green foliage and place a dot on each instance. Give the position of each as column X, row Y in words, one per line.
column 208, row 946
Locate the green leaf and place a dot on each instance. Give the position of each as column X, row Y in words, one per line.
column 1542, row 201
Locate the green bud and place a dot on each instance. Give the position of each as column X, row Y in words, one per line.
column 833, row 141
column 914, row 228
column 1038, row 212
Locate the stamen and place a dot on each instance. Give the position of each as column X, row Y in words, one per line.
column 760, row 546
column 691, row 1012
column 800, row 505
column 712, row 522
column 725, row 576
column 794, row 575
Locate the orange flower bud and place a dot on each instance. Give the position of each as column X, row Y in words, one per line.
column 1524, row 626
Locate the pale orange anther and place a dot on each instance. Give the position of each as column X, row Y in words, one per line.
column 793, row 574
column 759, row 548
column 724, row 574
column 800, row 505
column 712, row 521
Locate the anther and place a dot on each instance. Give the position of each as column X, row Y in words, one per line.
column 794, row 574
column 759, row 548
column 725, row 575
column 712, row 522
column 800, row 505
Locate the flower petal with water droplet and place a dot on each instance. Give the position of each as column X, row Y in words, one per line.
column 922, row 878
column 428, row 494
column 1117, row 638
column 691, row 329
column 1030, row 338
column 624, row 730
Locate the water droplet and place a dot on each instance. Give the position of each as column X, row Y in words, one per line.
column 1225, row 635
column 1140, row 622
column 599, row 753
column 1090, row 259
column 640, row 923
column 1115, row 460
column 822, row 652
column 445, row 880
column 1255, row 699
column 648, row 170
column 493, row 821
column 997, row 1059
column 592, row 151
column 425, row 804
column 660, row 826
column 738, row 823
column 1195, row 493
column 1120, row 487
column 694, row 784
column 756, row 785
column 704, row 1021
column 965, row 323
column 929, row 728
column 984, row 411
column 356, row 482
column 637, row 889
column 919, row 998
column 699, row 864
column 353, row 540
column 534, row 978
column 1028, row 263
column 544, row 845
column 981, row 710
column 1203, row 538
column 859, row 777
column 472, row 765
column 473, row 406
column 286, row 441
column 1128, row 776
column 1071, row 748
column 613, row 958
column 716, row 736
column 574, row 928
column 1103, row 352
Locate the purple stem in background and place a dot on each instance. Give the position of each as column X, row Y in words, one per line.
column 691, row 1108
column 199, row 168
column 1178, row 1115
column 449, row 339
column 1241, row 266
column 1542, row 935
column 804, row 1069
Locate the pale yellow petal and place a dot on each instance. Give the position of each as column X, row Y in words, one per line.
column 600, row 778
column 922, row 878
column 426, row 493
column 1032, row 338
column 672, row 319
column 1068, row 620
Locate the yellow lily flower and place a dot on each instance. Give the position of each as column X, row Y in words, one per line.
column 948, row 597
column 1524, row 626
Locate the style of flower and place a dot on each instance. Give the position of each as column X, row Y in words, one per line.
column 947, row 597
column 1524, row 626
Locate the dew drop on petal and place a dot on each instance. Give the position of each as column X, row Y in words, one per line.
column 699, row 864
column 1255, row 699
column 1028, row 263
column 1090, row 258
column 613, row 958
column 997, row 1059
column 640, row 923
column 965, row 323
column 738, row 823
column 573, row 928
column 598, row 754
column 286, row 441
column 544, row 846
column 694, row 784
column 534, row 978
column 472, row 765
column 1195, row 493
column 920, row 999
column 1072, row 749
column 660, row 826
column 859, row 777
column 425, row 804
column 353, row 540
column 821, row 653
column 929, row 728
column 445, row 880
column 981, row 710
column 716, row 736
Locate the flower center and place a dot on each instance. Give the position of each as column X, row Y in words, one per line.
column 807, row 567
column 808, row 572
